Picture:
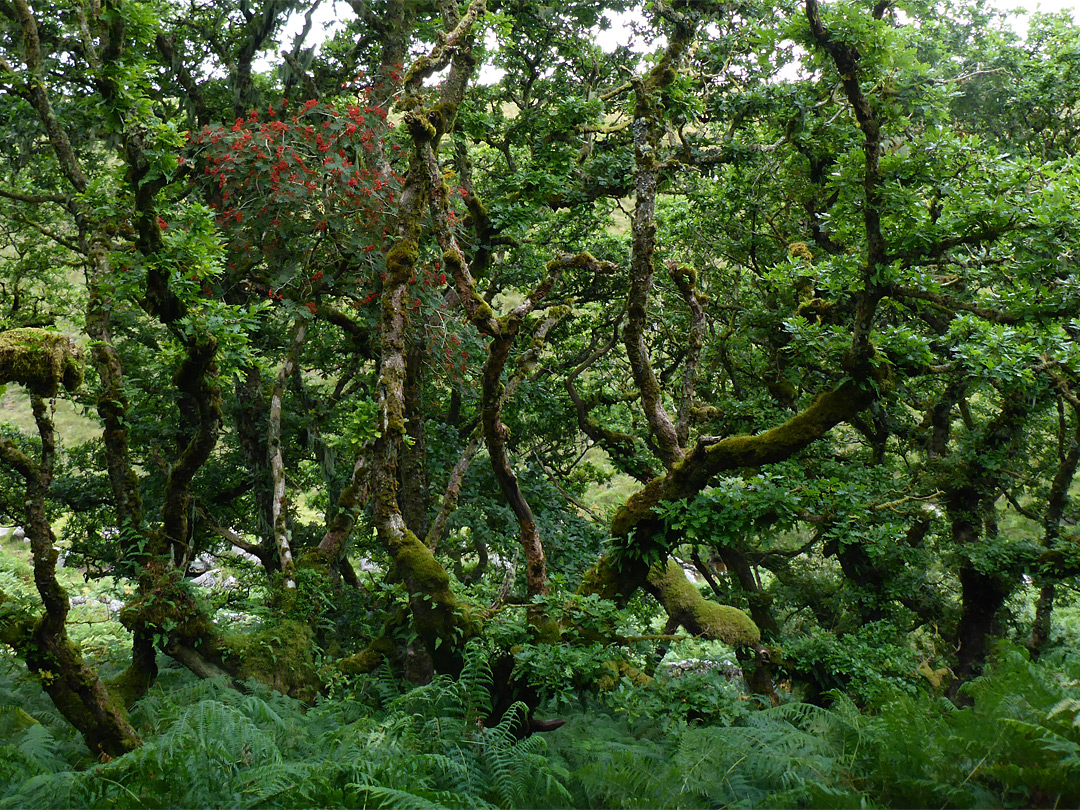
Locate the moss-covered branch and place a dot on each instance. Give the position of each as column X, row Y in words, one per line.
column 686, row 280
column 636, row 528
column 699, row 616
column 42, row 361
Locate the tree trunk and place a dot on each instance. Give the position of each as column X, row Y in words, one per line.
column 756, row 662
column 75, row 688
column 414, row 484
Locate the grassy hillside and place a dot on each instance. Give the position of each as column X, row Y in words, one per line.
column 73, row 426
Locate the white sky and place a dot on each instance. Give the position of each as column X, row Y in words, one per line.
column 619, row 34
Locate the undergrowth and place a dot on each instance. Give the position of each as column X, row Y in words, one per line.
column 372, row 745
column 210, row 745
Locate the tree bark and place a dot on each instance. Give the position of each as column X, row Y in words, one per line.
column 414, row 487
column 74, row 687
column 279, row 498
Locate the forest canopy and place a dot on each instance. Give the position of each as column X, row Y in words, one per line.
column 449, row 365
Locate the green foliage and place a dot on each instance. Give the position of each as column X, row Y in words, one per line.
column 1016, row 746
column 207, row 744
column 162, row 230
column 369, row 744
column 866, row 663
column 731, row 509
column 1009, row 747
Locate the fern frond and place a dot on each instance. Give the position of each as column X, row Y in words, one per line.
column 49, row 790
column 475, row 684
column 38, row 745
column 394, row 799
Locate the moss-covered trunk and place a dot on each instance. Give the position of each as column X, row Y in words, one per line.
column 75, row 688
column 439, row 619
column 414, row 474
column 971, row 479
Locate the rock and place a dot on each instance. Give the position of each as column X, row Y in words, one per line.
column 244, row 555
column 234, row 618
column 201, row 564
column 208, row 579
column 701, row 666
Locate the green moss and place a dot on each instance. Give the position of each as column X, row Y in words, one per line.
column 401, row 258
column 545, row 629
column 815, row 310
column 681, row 272
column 728, row 624
column 937, row 678
column 419, row 126
column 697, row 614
column 781, row 390
column 42, row 361
column 419, row 565
column 440, row 115
column 280, row 656
column 313, row 558
column 483, row 309
column 166, row 607
column 14, row 720
column 367, row 659
column 637, row 508
column 477, row 210
column 800, row 250
column 309, row 601
column 128, row 686
column 437, row 613
column 621, row 670
column 602, row 578
column 407, row 103
column 783, row 441
column 580, row 261
column 702, row 413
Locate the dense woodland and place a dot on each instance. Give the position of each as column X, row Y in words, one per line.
column 686, row 424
